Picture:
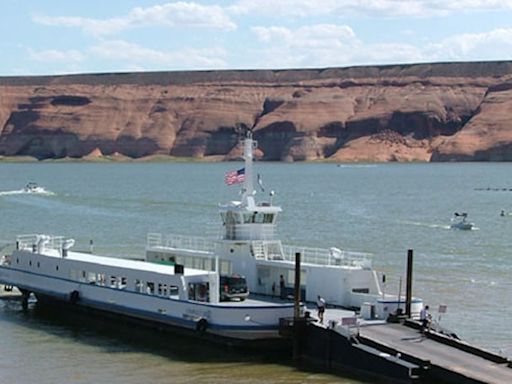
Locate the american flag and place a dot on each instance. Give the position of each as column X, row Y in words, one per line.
column 235, row 177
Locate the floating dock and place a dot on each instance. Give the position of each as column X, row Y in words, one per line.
column 398, row 351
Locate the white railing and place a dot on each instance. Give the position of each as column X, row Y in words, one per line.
column 266, row 250
column 193, row 243
column 32, row 241
column 332, row 256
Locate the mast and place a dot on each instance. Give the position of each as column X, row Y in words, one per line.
column 248, row 187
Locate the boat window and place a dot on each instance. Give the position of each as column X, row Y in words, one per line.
column 150, row 288
column 113, row 281
column 138, row 285
column 30, row 263
column 91, row 278
column 268, row 218
column 174, row 291
column 38, row 265
column 225, row 267
column 232, row 218
column 189, row 262
column 122, row 283
column 162, row 289
column 101, row 279
column 198, row 263
column 199, row 292
column 209, row 265
column 56, row 267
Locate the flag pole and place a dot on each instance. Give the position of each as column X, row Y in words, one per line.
column 248, row 182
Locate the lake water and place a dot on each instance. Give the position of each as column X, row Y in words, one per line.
column 380, row 209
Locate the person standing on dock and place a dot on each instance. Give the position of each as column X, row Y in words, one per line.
column 320, row 303
column 282, row 287
column 424, row 318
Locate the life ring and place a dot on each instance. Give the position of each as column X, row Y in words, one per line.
column 202, row 326
column 74, row 297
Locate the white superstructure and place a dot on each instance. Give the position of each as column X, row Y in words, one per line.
column 249, row 247
column 170, row 295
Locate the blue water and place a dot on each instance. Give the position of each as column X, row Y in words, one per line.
column 381, row 209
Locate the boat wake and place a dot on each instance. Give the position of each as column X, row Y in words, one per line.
column 428, row 225
column 41, row 191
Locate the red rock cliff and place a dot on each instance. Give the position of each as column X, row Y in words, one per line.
column 424, row 112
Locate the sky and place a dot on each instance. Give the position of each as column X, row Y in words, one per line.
column 48, row 37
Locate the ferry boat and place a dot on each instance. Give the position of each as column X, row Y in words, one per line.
column 248, row 245
column 176, row 296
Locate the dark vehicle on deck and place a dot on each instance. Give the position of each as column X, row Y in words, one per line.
column 233, row 287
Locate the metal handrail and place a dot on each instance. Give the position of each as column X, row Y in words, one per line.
column 266, row 250
column 29, row 241
column 194, row 243
column 324, row 256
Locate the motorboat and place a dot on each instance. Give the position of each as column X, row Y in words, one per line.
column 460, row 222
column 33, row 188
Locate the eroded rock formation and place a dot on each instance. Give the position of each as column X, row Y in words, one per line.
column 424, row 112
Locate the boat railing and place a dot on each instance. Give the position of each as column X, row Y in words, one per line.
column 194, row 243
column 33, row 241
column 332, row 256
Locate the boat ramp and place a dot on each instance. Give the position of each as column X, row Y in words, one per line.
column 397, row 351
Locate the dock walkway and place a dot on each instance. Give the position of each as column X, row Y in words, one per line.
column 476, row 367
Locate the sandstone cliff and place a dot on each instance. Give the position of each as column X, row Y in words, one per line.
column 424, row 112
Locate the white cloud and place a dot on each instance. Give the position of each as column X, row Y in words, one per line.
column 375, row 8
column 69, row 56
column 330, row 45
column 133, row 55
column 491, row 45
column 90, row 26
column 179, row 14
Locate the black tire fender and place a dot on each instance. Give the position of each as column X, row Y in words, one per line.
column 74, row 296
column 202, row 326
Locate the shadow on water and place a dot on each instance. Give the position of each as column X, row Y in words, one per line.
column 118, row 336
column 115, row 334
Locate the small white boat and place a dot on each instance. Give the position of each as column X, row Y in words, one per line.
column 33, row 188
column 461, row 222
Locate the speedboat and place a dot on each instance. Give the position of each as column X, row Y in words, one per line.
column 461, row 222
column 33, row 188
